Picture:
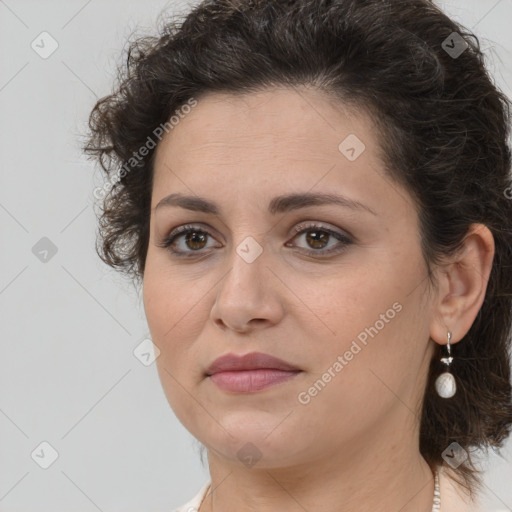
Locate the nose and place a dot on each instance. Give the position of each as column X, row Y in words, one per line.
column 248, row 297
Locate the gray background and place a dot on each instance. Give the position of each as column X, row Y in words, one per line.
column 68, row 375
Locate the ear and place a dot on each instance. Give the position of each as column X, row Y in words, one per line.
column 462, row 285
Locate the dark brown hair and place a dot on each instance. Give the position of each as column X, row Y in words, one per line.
column 444, row 129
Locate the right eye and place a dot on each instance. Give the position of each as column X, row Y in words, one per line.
column 188, row 239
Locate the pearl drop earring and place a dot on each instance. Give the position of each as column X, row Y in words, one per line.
column 446, row 386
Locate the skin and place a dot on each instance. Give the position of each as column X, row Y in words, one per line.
column 355, row 445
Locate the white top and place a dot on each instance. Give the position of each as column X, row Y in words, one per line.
column 193, row 504
column 452, row 500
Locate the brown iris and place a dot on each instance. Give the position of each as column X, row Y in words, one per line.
column 317, row 239
column 195, row 237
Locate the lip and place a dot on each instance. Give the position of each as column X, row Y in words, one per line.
column 250, row 372
column 252, row 361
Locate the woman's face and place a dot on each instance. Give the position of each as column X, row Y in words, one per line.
column 335, row 289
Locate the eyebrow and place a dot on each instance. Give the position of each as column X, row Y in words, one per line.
column 279, row 204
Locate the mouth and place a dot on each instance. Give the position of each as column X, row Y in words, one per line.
column 250, row 373
column 250, row 381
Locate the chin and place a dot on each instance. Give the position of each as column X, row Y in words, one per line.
column 253, row 439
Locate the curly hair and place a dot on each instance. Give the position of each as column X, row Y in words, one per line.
column 444, row 129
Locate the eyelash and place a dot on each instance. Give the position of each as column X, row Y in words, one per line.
column 298, row 230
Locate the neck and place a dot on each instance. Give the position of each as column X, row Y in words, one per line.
column 388, row 475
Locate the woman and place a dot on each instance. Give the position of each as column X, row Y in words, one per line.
column 315, row 195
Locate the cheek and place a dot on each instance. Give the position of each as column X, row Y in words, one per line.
column 349, row 300
column 177, row 311
column 166, row 313
column 171, row 299
column 171, row 315
column 374, row 317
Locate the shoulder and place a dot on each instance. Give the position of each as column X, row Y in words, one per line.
column 453, row 497
column 193, row 504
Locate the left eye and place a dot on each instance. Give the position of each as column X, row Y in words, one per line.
column 317, row 236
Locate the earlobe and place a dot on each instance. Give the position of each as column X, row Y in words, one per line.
column 462, row 285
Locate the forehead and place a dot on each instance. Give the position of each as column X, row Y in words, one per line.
column 239, row 151
column 271, row 114
column 280, row 131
